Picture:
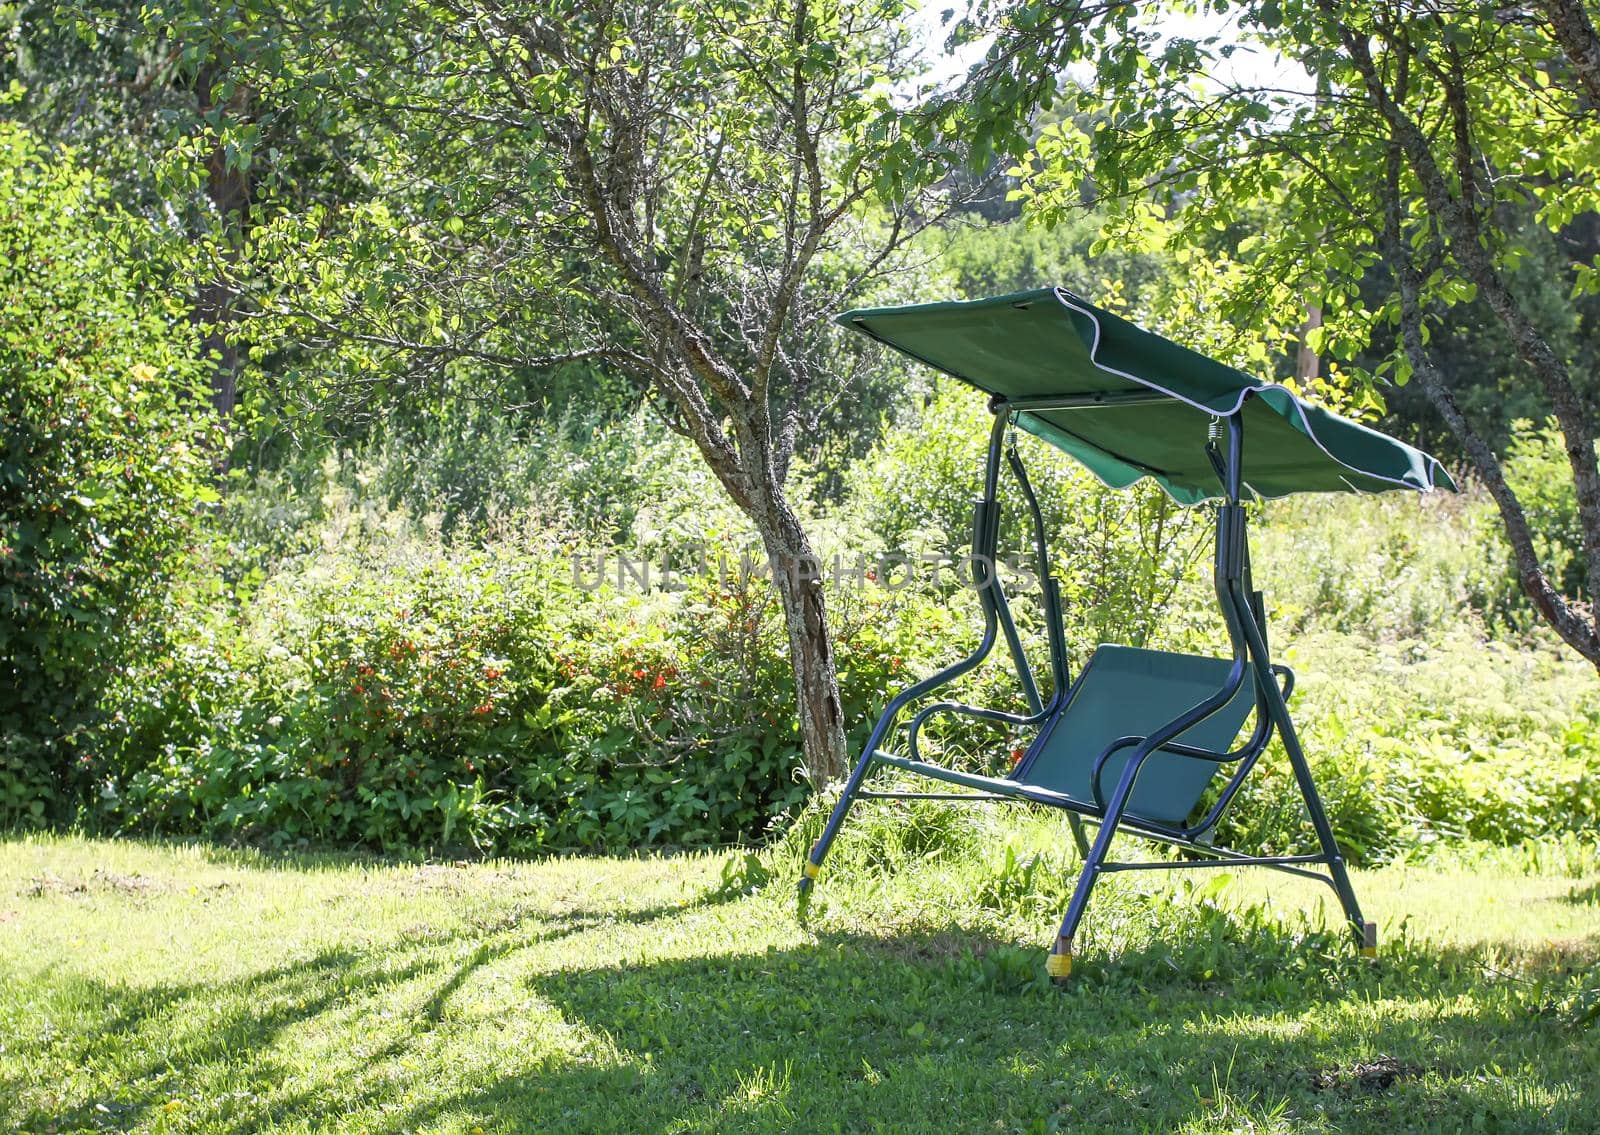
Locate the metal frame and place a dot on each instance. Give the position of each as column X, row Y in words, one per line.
column 1242, row 612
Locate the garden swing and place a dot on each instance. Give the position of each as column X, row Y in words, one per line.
column 1135, row 739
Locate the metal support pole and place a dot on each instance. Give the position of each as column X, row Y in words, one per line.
column 1228, row 567
column 1059, row 963
column 1019, row 658
column 1365, row 932
column 985, row 526
column 1244, row 625
column 1050, row 599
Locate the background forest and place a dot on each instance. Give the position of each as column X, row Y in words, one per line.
column 311, row 512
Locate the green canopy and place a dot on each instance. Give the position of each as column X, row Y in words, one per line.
column 1150, row 403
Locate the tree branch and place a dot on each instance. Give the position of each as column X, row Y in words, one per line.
column 1569, row 623
column 1574, row 31
column 1460, row 226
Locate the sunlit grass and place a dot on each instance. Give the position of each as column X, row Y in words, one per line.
column 189, row 989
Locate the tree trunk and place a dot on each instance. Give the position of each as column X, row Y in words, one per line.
column 746, row 467
column 228, row 187
column 1551, row 605
column 797, row 579
column 213, row 313
column 1307, row 366
column 1574, row 30
column 1458, row 221
column 1575, row 628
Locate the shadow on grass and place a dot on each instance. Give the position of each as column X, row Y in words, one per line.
column 156, row 1044
column 1230, row 1023
column 1583, row 896
column 913, row 1033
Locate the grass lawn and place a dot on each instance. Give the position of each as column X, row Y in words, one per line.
column 182, row 988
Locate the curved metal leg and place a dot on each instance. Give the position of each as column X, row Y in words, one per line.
column 1059, row 963
column 819, row 850
column 1079, row 836
column 985, row 529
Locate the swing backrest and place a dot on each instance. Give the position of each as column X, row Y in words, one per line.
column 1128, row 691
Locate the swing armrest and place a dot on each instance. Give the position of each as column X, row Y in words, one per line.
column 1257, row 741
column 1173, row 747
column 978, row 711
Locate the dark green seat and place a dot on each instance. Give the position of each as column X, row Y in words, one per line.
column 1127, row 691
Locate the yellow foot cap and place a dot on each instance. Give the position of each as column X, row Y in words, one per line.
column 1058, row 965
column 812, row 870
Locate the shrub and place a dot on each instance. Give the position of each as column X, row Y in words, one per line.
column 1386, row 568
column 1413, row 745
column 995, row 259
column 103, row 463
column 1120, row 556
column 394, row 695
column 387, row 692
column 616, row 476
column 369, row 682
column 1400, row 566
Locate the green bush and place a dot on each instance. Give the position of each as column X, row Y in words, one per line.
column 1416, row 744
column 359, row 672
column 1400, row 566
column 381, row 687
column 475, row 470
column 991, row 260
column 394, row 696
column 590, row 471
column 103, row 466
column 1386, row 568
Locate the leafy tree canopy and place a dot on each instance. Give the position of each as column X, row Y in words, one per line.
column 104, row 458
column 1429, row 149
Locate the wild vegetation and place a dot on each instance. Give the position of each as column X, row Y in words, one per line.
column 358, row 651
column 566, row 300
column 448, row 555
column 363, row 676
